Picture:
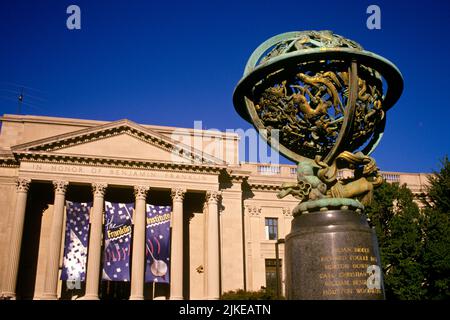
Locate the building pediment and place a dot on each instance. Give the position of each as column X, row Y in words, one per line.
column 121, row 139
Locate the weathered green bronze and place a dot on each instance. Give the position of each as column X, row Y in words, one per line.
column 324, row 95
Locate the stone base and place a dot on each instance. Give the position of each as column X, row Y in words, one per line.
column 89, row 297
column 331, row 255
column 48, row 296
column 8, row 296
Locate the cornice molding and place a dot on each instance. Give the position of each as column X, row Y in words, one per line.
column 85, row 123
column 9, row 163
column 261, row 186
column 238, row 176
column 121, row 163
column 113, row 129
column 7, row 159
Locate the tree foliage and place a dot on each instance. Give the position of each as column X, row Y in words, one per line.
column 263, row 294
column 439, row 190
column 414, row 244
column 397, row 221
column 436, row 247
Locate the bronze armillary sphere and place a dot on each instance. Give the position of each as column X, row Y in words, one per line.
column 325, row 96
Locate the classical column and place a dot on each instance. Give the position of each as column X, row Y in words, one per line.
column 95, row 242
column 54, row 246
column 15, row 239
column 138, row 258
column 213, row 271
column 256, row 269
column 176, row 256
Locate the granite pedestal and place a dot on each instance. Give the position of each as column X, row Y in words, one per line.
column 332, row 255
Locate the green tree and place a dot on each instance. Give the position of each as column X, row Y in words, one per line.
column 414, row 244
column 439, row 190
column 398, row 224
column 436, row 252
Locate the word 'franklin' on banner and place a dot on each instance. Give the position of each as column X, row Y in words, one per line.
column 76, row 241
column 157, row 243
column 116, row 255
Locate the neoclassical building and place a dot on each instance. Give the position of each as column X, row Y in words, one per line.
column 225, row 218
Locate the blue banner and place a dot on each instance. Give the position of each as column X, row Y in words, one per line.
column 157, row 244
column 116, row 255
column 76, row 241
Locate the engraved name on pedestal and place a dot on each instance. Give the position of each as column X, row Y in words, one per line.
column 345, row 273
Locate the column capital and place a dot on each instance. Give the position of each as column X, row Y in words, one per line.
column 178, row 194
column 140, row 192
column 287, row 212
column 60, row 186
column 99, row 189
column 23, row 184
column 253, row 211
column 213, row 196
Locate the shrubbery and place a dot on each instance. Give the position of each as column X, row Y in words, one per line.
column 262, row 294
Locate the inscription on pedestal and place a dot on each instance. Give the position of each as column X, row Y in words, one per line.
column 346, row 273
column 332, row 255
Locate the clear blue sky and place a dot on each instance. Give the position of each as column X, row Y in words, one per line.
column 173, row 62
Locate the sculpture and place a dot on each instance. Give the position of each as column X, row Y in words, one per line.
column 324, row 94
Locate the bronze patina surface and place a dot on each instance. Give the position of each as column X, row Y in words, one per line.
column 327, row 99
column 324, row 95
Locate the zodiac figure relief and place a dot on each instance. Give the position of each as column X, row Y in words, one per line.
column 325, row 83
column 301, row 109
column 325, row 96
column 309, row 109
column 369, row 111
column 317, row 180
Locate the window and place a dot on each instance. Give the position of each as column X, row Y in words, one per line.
column 271, row 274
column 271, row 228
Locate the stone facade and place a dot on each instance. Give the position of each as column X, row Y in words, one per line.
column 219, row 233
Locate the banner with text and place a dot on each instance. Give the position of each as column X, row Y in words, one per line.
column 116, row 255
column 157, row 244
column 76, row 241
